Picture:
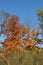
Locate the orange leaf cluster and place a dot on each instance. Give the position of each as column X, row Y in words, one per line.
column 15, row 40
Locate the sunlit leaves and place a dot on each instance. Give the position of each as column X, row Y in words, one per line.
column 16, row 40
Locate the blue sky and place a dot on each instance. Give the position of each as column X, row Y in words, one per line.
column 22, row 8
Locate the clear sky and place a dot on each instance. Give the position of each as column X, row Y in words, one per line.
column 22, row 8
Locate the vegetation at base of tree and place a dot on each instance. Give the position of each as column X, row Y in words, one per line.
column 26, row 57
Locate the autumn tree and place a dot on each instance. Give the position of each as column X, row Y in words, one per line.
column 18, row 36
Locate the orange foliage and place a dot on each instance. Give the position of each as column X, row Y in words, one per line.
column 35, row 33
column 26, row 30
column 15, row 40
column 11, row 22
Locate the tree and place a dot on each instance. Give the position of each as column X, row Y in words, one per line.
column 15, row 33
column 40, row 17
column 3, row 17
column 19, row 38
